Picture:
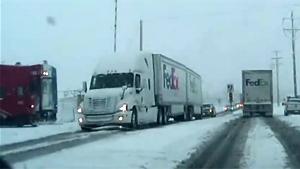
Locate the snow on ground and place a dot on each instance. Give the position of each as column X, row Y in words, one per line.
column 18, row 134
column 293, row 119
column 262, row 149
column 160, row 147
column 66, row 108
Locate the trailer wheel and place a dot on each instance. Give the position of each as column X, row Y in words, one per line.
column 134, row 119
column 188, row 115
column 164, row 117
column 159, row 117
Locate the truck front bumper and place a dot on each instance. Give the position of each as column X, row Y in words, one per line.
column 98, row 120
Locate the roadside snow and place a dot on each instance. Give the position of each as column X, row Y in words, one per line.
column 262, row 149
column 18, row 134
column 292, row 120
column 66, row 108
column 161, row 147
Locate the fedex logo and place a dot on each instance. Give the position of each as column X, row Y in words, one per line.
column 258, row 82
column 171, row 80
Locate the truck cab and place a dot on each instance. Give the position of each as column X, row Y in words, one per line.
column 121, row 93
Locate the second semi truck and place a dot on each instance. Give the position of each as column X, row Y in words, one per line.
column 140, row 89
column 257, row 92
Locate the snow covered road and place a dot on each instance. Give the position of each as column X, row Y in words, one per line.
column 255, row 142
column 262, row 149
column 227, row 141
column 160, row 147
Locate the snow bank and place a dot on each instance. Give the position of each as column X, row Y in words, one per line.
column 161, row 147
column 67, row 109
column 14, row 135
column 66, row 114
column 293, row 119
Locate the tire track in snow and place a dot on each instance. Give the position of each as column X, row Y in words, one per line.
column 262, row 149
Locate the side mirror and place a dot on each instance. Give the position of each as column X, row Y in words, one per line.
column 124, row 87
column 84, row 86
column 138, row 90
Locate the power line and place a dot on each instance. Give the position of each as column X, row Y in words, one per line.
column 293, row 30
column 115, row 26
column 277, row 75
column 141, row 35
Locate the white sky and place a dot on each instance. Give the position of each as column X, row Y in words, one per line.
column 216, row 38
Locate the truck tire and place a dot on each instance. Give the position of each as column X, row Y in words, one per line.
column 286, row 113
column 164, row 118
column 188, row 116
column 159, row 117
column 134, row 119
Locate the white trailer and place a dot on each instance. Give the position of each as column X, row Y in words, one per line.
column 140, row 89
column 257, row 92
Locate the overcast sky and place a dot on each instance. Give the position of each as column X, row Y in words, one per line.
column 216, row 38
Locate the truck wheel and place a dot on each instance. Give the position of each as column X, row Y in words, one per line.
column 286, row 113
column 164, row 118
column 134, row 119
column 159, row 117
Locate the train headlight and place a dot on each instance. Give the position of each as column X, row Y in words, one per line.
column 45, row 73
column 124, row 107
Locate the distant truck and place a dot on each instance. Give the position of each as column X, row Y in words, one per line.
column 257, row 92
column 143, row 88
column 27, row 93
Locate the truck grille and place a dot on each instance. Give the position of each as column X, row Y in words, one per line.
column 101, row 105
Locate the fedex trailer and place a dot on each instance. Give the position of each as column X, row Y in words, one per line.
column 257, row 92
column 143, row 88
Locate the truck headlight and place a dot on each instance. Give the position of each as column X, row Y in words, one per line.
column 80, row 120
column 124, row 108
column 79, row 110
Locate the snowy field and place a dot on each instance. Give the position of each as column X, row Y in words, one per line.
column 293, row 120
column 66, row 122
column 161, row 147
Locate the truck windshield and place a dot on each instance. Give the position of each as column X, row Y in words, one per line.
column 206, row 105
column 113, row 80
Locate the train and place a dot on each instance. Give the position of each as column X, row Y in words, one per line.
column 28, row 93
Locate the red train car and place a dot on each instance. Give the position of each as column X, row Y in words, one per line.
column 27, row 93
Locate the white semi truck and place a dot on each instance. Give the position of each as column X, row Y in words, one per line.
column 257, row 92
column 143, row 88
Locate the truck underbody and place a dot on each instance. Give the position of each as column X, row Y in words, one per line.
column 261, row 109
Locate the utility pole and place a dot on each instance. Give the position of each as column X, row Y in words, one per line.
column 141, row 35
column 115, row 26
column 277, row 75
column 293, row 30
